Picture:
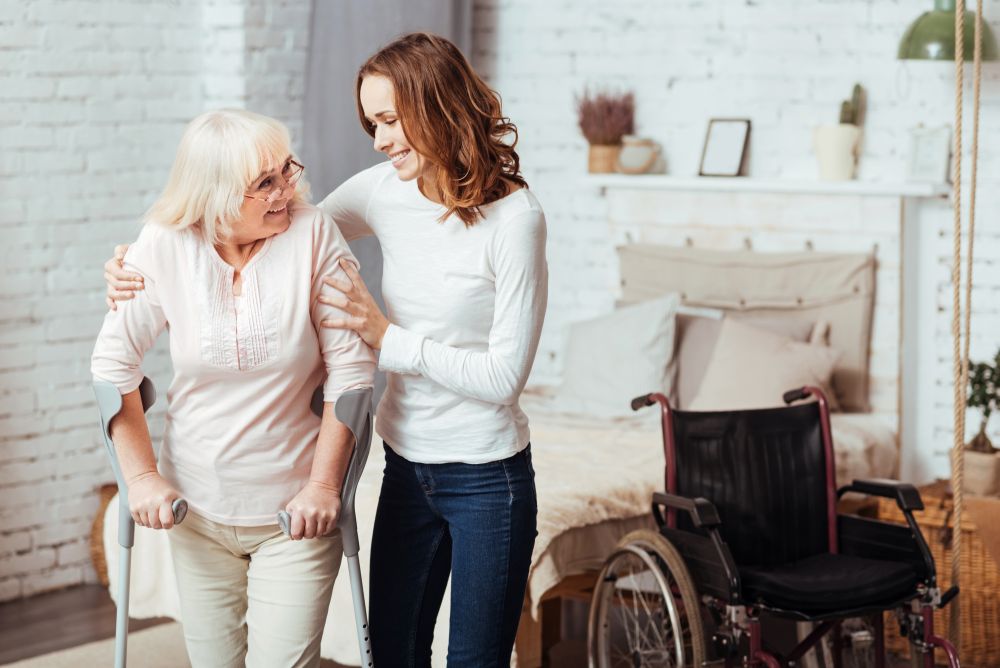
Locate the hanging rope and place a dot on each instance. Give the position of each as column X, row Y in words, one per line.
column 960, row 338
column 976, row 87
column 958, row 392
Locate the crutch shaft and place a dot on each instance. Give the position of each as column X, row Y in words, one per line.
column 121, row 619
column 360, row 614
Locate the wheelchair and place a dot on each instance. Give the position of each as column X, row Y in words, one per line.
column 748, row 530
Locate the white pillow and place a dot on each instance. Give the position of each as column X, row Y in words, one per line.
column 611, row 359
column 753, row 368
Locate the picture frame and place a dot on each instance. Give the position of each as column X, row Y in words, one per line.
column 725, row 149
column 929, row 157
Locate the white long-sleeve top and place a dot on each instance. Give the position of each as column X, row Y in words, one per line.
column 240, row 436
column 466, row 306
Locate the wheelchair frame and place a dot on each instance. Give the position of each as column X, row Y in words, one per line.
column 716, row 577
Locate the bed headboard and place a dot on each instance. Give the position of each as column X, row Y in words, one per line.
column 807, row 286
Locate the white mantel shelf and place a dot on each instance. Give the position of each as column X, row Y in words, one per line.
column 753, row 185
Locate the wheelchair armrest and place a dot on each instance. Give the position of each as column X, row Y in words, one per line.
column 702, row 511
column 708, row 555
column 906, row 495
column 887, row 541
column 907, row 499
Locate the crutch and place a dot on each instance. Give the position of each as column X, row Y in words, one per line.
column 354, row 409
column 109, row 402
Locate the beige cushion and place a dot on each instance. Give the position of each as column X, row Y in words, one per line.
column 619, row 356
column 697, row 334
column 753, row 368
column 804, row 287
column 696, row 338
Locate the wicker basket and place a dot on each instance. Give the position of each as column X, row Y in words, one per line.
column 980, row 595
column 97, row 557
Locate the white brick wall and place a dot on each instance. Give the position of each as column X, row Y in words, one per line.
column 277, row 40
column 94, row 95
column 93, row 98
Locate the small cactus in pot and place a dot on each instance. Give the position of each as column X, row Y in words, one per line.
column 850, row 110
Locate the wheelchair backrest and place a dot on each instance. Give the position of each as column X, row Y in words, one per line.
column 765, row 471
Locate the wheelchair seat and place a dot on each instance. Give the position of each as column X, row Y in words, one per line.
column 826, row 584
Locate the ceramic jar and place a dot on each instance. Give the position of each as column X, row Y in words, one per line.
column 836, row 149
column 640, row 155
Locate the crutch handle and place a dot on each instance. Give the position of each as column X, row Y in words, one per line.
column 285, row 522
column 180, row 508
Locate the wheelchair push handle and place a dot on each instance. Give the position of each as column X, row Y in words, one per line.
column 642, row 402
column 799, row 393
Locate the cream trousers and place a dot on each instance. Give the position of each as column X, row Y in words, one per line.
column 250, row 596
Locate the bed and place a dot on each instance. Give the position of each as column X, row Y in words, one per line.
column 595, row 476
column 594, row 485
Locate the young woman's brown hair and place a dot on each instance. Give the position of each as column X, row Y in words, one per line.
column 452, row 119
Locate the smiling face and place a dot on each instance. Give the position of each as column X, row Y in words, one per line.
column 378, row 101
column 264, row 212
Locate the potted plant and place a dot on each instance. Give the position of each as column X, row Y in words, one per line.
column 837, row 145
column 982, row 465
column 604, row 119
column 984, row 394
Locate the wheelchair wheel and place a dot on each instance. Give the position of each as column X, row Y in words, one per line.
column 645, row 610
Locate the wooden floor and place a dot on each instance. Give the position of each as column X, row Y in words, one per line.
column 66, row 618
column 57, row 620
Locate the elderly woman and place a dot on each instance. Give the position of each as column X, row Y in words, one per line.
column 232, row 260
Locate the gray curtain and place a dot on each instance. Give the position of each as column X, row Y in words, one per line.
column 343, row 34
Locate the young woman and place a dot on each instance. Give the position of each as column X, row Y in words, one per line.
column 465, row 286
column 232, row 259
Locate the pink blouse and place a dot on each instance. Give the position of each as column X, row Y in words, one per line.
column 239, row 436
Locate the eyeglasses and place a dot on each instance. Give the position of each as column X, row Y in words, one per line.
column 267, row 191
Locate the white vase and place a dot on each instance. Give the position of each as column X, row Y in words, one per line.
column 836, row 149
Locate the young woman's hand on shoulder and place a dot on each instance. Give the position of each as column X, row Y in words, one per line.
column 122, row 284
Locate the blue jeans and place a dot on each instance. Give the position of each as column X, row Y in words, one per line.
column 474, row 521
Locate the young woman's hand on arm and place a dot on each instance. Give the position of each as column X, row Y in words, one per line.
column 360, row 311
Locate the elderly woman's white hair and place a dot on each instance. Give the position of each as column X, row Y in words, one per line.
column 221, row 154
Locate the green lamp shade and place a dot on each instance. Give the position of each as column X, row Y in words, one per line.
column 932, row 36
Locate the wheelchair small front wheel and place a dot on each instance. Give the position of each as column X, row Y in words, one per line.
column 645, row 609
